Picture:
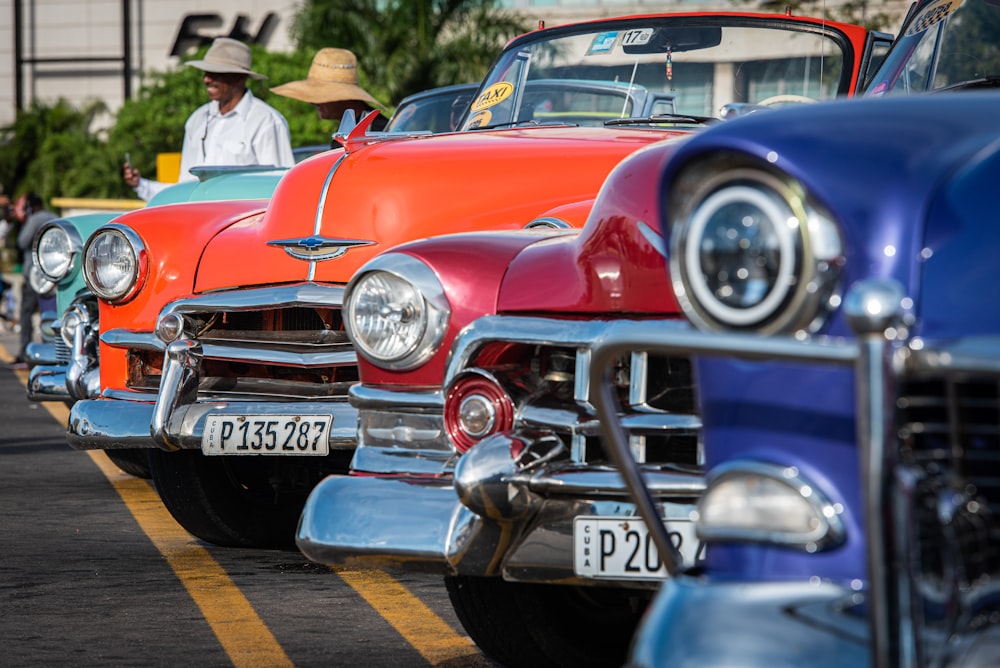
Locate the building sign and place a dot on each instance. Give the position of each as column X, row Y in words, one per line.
column 198, row 30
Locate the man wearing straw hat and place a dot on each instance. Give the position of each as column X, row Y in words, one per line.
column 233, row 128
column 332, row 87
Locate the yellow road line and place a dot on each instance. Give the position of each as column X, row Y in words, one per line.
column 242, row 634
column 424, row 630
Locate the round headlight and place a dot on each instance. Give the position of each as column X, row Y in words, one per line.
column 750, row 251
column 39, row 282
column 395, row 312
column 114, row 263
column 55, row 250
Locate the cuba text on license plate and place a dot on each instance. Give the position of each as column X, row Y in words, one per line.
column 267, row 435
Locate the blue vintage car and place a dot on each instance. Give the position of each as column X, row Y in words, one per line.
column 835, row 263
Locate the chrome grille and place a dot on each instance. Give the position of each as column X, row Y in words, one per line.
column 276, row 343
column 545, row 364
column 63, row 353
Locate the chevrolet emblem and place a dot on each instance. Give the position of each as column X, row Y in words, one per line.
column 315, row 248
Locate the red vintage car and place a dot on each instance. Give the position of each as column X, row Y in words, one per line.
column 479, row 449
column 223, row 349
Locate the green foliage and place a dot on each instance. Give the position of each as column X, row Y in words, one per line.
column 51, row 150
column 407, row 46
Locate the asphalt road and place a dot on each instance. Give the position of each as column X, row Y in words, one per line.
column 94, row 572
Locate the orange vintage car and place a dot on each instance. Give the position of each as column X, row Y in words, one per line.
column 223, row 349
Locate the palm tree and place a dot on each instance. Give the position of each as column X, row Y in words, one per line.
column 406, row 46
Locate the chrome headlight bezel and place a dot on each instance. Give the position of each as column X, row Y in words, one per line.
column 368, row 319
column 47, row 242
column 747, row 501
column 95, row 259
column 728, row 214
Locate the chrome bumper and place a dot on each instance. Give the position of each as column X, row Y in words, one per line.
column 499, row 515
column 118, row 422
column 48, row 383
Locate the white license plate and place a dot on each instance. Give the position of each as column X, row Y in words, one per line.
column 267, row 435
column 621, row 547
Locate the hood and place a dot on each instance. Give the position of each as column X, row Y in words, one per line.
column 616, row 264
column 876, row 166
column 382, row 194
column 226, row 183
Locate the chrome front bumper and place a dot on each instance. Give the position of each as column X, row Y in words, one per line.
column 123, row 420
column 499, row 515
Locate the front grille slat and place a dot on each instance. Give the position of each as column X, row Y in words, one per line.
column 271, row 353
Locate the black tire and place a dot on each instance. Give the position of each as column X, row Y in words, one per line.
column 542, row 625
column 134, row 461
column 236, row 501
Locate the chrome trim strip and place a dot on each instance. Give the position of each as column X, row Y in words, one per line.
column 309, row 295
column 124, row 338
column 249, row 352
column 318, row 222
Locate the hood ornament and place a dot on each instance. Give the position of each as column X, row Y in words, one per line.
column 317, row 248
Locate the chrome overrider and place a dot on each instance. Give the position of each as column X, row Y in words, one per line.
column 507, row 505
column 174, row 417
column 759, row 617
column 70, row 371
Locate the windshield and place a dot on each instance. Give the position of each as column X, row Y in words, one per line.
column 947, row 43
column 647, row 66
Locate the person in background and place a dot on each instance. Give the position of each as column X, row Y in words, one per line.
column 30, row 213
column 233, row 128
column 6, row 225
column 332, row 87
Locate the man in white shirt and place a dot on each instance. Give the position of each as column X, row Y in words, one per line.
column 234, row 128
